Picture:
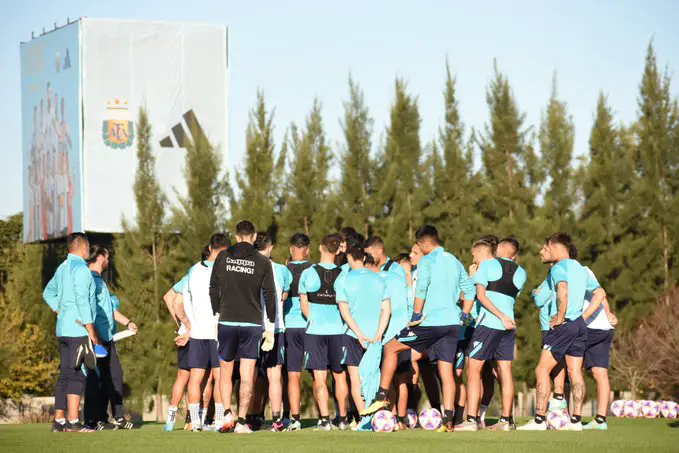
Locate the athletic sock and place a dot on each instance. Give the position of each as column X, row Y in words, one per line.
column 559, row 396
column 194, row 410
column 539, row 419
column 171, row 413
column 242, row 421
column 448, row 416
column 576, row 418
column 61, row 421
column 403, row 419
column 600, row 419
column 219, row 413
column 471, row 419
column 482, row 413
column 286, row 414
column 504, row 419
column 73, row 422
column 296, row 417
column 459, row 414
column 203, row 415
column 344, row 419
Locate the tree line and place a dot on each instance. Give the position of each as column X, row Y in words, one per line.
column 619, row 201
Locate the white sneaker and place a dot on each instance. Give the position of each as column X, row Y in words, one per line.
column 196, row 428
column 295, row 425
column 242, row 428
column 557, row 405
column 570, row 426
column 467, row 426
column 532, row 426
column 324, row 427
column 343, row 426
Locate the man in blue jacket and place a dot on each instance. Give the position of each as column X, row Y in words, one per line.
column 71, row 295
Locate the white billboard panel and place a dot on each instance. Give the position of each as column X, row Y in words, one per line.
column 179, row 73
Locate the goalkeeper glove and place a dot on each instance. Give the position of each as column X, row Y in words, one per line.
column 268, row 340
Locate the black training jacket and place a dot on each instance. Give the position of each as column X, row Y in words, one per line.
column 241, row 278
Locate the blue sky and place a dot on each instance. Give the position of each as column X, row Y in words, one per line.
column 296, row 50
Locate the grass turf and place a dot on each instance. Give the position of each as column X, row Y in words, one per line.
column 644, row 435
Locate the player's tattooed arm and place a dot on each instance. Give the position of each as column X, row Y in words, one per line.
column 180, row 312
column 562, row 299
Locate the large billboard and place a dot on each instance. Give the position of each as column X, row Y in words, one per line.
column 178, row 72
column 51, row 140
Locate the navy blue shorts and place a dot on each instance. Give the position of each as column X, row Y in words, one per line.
column 239, row 342
column 354, row 351
column 463, row 347
column 276, row 356
column 183, row 357
column 570, row 338
column 294, row 350
column 203, row 354
column 598, row 348
column 324, row 352
column 405, row 364
column 440, row 340
column 492, row 344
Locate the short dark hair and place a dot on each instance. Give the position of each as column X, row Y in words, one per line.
column 374, row 241
column 205, row 253
column 331, row 242
column 561, row 238
column 427, row 232
column 369, row 260
column 357, row 253
column 356, row 240
column 300, row 240
column 76, row 240
column 514, row 243
column 345, row 232
column 402, row 257
column 219, row 241
column 263, row 240
column 95, row 252
column 245, row 228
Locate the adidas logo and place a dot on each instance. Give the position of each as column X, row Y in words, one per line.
column 179, row 137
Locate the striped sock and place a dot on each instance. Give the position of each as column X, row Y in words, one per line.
column 172, row 413
column 219, row 414
column 194, row 409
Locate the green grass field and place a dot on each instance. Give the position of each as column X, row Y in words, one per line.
column 632, row 435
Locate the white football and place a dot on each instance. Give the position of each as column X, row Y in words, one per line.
column 650, row 409
column 617, row 407
column 669, row 409
column 632, row 409
column 383, row 422
column 558, row 419
column 412, row 418
column 430, row 419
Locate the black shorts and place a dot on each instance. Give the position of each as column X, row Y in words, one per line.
column 239, row 342
column 405, row 364
column 463, row 347
column 276, row 356
column 492, row 344
column 324, row 352
column 183, row 357
column 598, row 348
column 569, row 338
column 354, row 351
column 440, row 340
column 203, row 354
column 294, row 350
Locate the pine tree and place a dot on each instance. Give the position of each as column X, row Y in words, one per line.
column 557, row 135
column 453, row 200
column 511, row 175
column 651, row 208
column 399, row 200
column 310, row 207
column 259, row 183
column 202, row 211
column 144, row 263
column 356, row 188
